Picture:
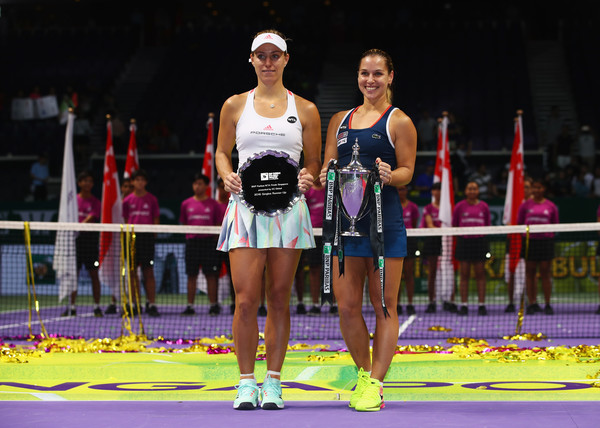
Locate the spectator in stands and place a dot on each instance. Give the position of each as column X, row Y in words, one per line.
column 501, row 180
column 424, row 181
column 596, row 182
column 519, row 274
column 483, row 178
column 564, row 147
column 39, row 178
column 200, row 249
column 141, row 207
column 63, row 109
column 394, row 150
column 461, row 167
column 87, row 243
column 118, row 133
column 540, row 251
column 73, row 96
column 432, row 245
column 82, row 132
column 275, row 242
column 410, row 214
column 551, row 130
column 456, row 130
column 586, row 146
column 560, row 182
column 35, row 93
column 581, row 183
column 472, row 250
column 427, row 131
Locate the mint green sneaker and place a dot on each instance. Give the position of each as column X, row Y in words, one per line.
column 361, row 383
column 247, row 396
column 270, row 394
column 371, row 399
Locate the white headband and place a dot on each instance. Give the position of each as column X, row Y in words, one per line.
column 272, row 38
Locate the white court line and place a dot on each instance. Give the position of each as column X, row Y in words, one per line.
column 307, row 373
column 46, row 321
column 406, row 324
column 168, row 362
column 44, row 396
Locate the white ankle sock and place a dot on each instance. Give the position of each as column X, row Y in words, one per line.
column 247, row 376
column 271, row 373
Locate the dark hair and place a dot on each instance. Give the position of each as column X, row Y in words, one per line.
column 83, row 175
column 540, row 180
column 472, row 181
column 200, row 176
column 388, row 63
column 139, row 173
column 436, row 186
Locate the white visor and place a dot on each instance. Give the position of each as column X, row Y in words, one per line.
column 272, row 38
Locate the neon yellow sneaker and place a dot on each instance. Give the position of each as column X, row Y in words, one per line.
column 371, row 399
column 361, row 383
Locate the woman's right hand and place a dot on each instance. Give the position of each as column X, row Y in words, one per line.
column 323, row 174
column 232, row 183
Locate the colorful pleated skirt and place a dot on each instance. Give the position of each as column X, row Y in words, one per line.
column 243, row 229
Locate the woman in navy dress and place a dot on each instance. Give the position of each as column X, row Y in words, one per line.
column 386, row 137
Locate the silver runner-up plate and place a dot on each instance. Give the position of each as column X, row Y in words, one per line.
column 269, row 183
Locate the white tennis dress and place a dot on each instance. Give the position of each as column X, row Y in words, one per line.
column 243, row 229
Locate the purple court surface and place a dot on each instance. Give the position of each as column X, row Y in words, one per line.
column 431, row 414
column 569, row 321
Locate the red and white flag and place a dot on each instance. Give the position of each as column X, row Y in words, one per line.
column 515, row 194
column 208, row 167
column 443, row 174
column 132, row 163
column 112, row 212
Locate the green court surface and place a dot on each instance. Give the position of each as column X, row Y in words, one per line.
column 307, row 375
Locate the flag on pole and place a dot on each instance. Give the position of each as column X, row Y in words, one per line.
column 132, row 163
column 443, row 173
column 110, row 249
column 65, row 258
column 515, row 194
column 208, row 167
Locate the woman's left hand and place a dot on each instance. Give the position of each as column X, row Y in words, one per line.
column 305, row 180
column 385, row 171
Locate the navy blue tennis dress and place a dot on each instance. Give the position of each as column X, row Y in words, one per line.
column 374, row 142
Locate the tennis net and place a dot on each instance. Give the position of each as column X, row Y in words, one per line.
column 32, row 255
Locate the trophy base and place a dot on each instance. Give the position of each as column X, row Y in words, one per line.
column 349, row 233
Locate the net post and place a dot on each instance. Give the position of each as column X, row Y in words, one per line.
column 31, row 284
column 522, row 302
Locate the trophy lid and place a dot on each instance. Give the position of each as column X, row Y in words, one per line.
column 355, row 164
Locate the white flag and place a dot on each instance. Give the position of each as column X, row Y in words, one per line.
column 65, row 258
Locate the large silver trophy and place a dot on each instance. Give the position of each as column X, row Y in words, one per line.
column 353, row 179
